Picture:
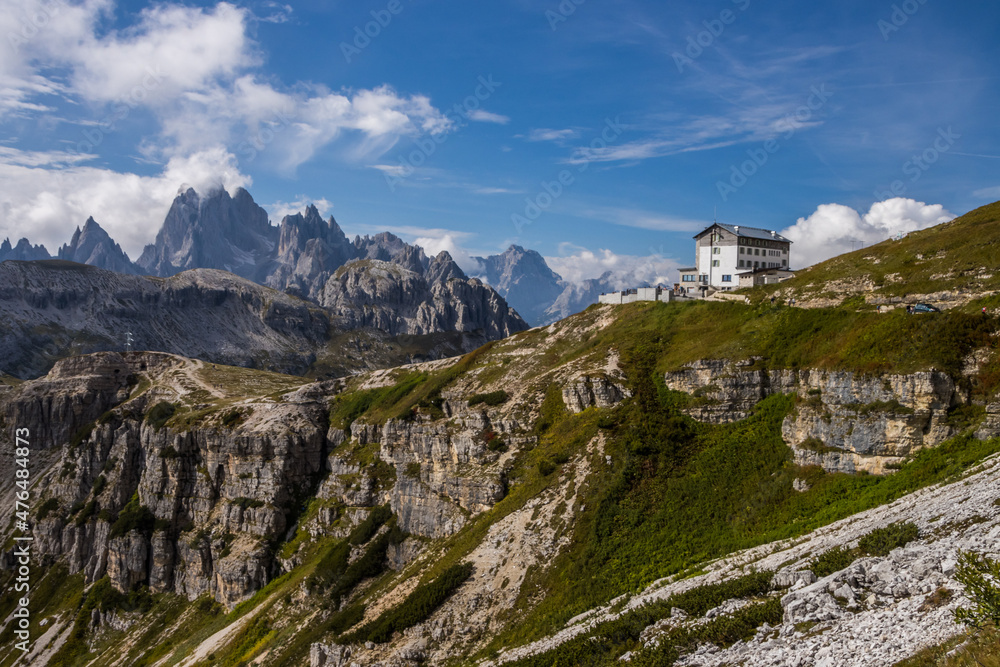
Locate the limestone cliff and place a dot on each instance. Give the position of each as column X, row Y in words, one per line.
column 843, row 421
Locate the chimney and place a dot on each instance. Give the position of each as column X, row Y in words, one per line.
column 736, row 228
column 773, row 233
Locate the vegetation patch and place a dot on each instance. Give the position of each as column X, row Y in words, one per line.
column 417, row 607
column 160, row 413
column 492, row 398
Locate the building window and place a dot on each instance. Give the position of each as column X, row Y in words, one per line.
column 716, row 251
column 756, row 251
column 741, row 263
column 687, row 278
column 715, row 262
column 703, row 278
column 784, row 262
column 727, row 279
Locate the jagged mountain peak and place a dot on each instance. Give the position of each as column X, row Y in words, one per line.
column 23, row 251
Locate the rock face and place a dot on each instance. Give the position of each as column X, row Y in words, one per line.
column 593, row 391
column 212, row 232
column 842, row 421
column 387, row 296
column 194, row 505
column 92, row 245
column 309, row 251
column 54, row 308
column 212, row 495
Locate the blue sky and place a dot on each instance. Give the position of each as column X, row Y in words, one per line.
column 602, row 134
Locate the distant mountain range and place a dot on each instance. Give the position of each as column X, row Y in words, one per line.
column 304, row 252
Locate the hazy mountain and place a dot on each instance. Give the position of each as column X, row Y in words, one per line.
column 23, row 251
column 92, row 245
column 525, row 280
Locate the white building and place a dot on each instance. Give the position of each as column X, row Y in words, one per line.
column 722, row 252
column 636, row 294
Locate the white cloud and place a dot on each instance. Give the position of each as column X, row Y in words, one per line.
column 280, row 209
column 543, row 134
column 834, row 229
column 488, row 117
column 988, row 193
column 577, row 264
column 47, row 204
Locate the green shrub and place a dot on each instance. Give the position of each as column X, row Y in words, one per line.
column 100, row 484
column 247, row 503
column 367, row 528
column 169, row 452
column 881, row 541
column 878, row 542
column 159, row 414
column 46, row 508
column 89, row 510
column 417, row 607
column 134, row 516
column 981, row 577
column 233, row 418
column 413, row 470
column 546, row 467
column 492, row 398
column 831, row 561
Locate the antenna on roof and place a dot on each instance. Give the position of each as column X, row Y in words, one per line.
column 715, row 214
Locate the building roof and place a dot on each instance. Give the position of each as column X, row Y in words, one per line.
column 692, row 268
column 746, row 232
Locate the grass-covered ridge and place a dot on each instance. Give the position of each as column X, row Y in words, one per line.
column 960, row 255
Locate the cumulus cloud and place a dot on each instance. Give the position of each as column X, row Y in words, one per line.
column 576, row 264
column 833, row 229
column 47, row 204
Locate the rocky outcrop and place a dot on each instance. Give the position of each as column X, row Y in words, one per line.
column 187, row 508
column 588, row 391
column 443, row 473
column 214, row 231
column 386, row 296
column 842, row 421
column 309, row 251
column 92, row 245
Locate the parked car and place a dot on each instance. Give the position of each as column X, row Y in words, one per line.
column 923, row 308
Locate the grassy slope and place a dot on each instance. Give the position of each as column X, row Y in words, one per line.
column 958, row 255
